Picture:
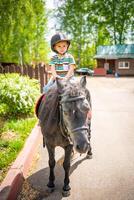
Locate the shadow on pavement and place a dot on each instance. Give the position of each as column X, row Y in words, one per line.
column 39, row 180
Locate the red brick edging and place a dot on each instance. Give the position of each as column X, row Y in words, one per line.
column 12, row 183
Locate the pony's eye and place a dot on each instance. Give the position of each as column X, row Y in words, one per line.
column 85, row 106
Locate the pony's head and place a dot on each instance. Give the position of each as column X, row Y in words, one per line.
column 74, row 108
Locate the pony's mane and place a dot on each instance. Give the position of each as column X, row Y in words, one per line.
column 72, row 89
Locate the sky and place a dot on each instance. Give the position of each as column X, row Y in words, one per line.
column 51, row 30
column 50, row 5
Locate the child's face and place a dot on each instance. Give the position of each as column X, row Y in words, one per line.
column 61, row 47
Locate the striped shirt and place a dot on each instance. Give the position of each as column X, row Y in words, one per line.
column 62, row 64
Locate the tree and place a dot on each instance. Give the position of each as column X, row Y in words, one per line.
column 93, row 23
column 72, row 15
column 22, row 31
column 115, row 16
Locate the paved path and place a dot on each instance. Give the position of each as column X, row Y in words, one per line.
column 110, row 174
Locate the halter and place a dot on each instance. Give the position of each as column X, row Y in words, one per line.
column 75, row 98
column 63, row 127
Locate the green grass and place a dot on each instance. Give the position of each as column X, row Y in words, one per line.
column 13, row 133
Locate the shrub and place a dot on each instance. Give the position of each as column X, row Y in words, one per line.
column 17, row 94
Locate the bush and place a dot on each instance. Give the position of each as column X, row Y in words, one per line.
column 17, row 94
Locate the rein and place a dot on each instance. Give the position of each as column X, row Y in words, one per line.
column 63, row 127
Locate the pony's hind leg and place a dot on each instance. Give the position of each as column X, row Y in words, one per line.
column 51, row 152
column 66, row 166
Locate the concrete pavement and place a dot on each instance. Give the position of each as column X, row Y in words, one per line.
column 110, row 174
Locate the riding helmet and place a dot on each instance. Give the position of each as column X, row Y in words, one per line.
column 58, row 37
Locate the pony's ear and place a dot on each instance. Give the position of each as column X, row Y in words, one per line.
column 60, row 85
column 83, row 81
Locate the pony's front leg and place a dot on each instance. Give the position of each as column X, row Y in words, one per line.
column 66, row 165
column 89, row 153
column 51, row 152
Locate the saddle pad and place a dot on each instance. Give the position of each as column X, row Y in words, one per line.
column 37, row 104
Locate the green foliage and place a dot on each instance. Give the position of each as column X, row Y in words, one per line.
column 72, row 16
column 17, row 94
column 116, row 17
column 94, row 23
column 23, row 25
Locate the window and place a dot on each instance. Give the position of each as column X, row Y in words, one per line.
column 123, row 65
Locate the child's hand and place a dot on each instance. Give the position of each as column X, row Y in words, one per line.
column 59, row 77
column 54, row 77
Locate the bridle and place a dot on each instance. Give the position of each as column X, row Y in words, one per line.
column 63, row 127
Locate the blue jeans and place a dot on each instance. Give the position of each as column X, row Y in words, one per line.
column 48, row 85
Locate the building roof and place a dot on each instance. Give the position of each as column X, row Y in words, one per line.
column 115, row 51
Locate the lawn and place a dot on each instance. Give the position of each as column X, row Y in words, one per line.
column 13, row 133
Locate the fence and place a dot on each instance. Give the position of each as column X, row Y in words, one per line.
column 38, row 72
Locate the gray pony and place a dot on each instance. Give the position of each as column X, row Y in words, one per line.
column 63, row 116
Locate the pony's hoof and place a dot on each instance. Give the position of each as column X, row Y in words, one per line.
column 50, row 189
column 65, row 193
column 89, row 156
